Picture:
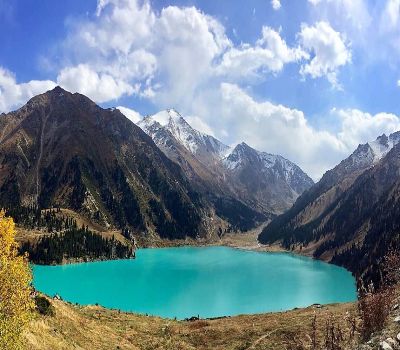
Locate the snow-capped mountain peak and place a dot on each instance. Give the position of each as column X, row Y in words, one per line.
column 270, row 165
column 166, row 116
column 265, row 182
column 383, row 144
column 192, row 139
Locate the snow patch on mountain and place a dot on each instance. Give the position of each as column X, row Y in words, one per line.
column 269, row 164
column 193, row 140
column 383, row 144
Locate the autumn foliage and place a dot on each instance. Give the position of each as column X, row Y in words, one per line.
column 16, row 303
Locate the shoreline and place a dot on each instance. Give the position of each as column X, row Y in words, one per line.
column 240, row 240
column 109, row 329
column 244, row 241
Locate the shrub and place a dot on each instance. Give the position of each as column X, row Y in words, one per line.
column 375, row 305
column 16, row 304
column 374, row 308
column 44, row 306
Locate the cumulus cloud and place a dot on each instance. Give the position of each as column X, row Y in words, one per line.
column 358, row 126
column 168, row 56
column 282, row 130
column 269, row 54
column 276, row 4
column 13, row 94
column 188, row 44
column 100, row 87
column 130, row 114
column 328, row 49
column 162, row 56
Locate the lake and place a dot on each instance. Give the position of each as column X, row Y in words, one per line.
column 209, row 282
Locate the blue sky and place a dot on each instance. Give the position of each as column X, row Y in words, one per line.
column 308, row 79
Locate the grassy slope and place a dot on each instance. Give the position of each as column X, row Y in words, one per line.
column 96, row 328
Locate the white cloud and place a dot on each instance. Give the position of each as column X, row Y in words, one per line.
column 188, row 44
column 13, row 94
column 286, row 131
column 171, row 55
column 168, row 55
column 390, row 15
column 328, row 49
column 360, row 127
column 280, row 130
column 352, row 14
column 200, row 125
column 270, row 54
column 276, row 4
column 100, row 87
column 130, row 114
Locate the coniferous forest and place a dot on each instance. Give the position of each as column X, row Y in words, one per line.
column 64, row 239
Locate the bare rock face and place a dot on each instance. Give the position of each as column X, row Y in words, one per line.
column 269, row 180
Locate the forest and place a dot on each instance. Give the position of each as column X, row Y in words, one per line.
column 63, row 239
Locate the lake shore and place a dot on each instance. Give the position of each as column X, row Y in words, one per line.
column 241, row 240
column 238, row 240
column 97, row 328
column 108, row 328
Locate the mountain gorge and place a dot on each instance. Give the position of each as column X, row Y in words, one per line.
column 351, row 216
column 239, row 177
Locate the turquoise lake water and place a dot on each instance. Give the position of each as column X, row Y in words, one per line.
column 210, row 282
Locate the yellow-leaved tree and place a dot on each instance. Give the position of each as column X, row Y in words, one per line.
column 16, row 304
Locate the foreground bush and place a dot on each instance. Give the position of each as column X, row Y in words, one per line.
column 374, row 308
column 43, row 306
column 16, row 304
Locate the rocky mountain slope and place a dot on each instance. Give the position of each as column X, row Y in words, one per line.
column 62, row 150
column 264, row 183
column 268, row 182
column 351, row 216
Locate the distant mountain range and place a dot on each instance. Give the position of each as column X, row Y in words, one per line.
column 265, row 183
column 351, row 216
column 62, row 150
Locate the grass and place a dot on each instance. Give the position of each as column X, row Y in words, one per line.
column 97, row 328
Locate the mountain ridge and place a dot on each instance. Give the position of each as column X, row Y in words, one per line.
column 97, row 162
column 341, row 218
column 226, row 165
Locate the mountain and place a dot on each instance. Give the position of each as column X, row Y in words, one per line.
column 204, row 147
column 350, row 216
column 234, row 179
column 198, row 154
column 270, row 182
column 62, row 150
